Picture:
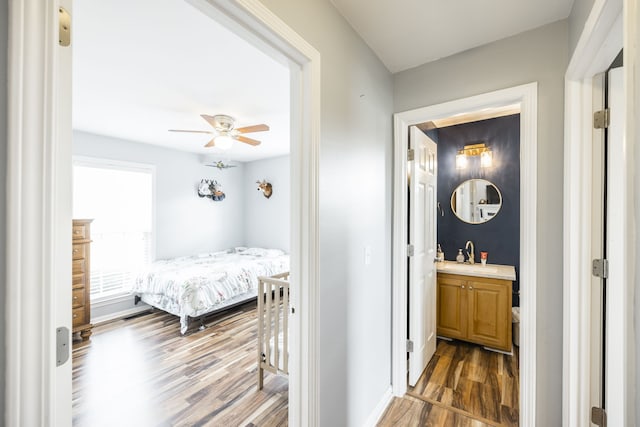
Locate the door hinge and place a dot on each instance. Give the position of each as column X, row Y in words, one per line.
column 410, row 250
column 409, row 346
column 599, row 416
column 600, row 268
column 601, row 119
column 64, row 27
column 411, row 154
column 62, row 345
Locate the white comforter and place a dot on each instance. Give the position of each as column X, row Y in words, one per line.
column 195, row 285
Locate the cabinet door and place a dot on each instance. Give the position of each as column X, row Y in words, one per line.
column 489, row 313
column 452, row 307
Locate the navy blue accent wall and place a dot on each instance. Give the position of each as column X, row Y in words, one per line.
column 501, row 235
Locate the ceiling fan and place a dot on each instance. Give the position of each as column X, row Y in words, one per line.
column 225, row 131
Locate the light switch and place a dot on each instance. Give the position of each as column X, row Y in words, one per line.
column 367, row 255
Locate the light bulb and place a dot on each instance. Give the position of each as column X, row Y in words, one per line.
column 461, row 160
column 223, row 142
column 486, row 159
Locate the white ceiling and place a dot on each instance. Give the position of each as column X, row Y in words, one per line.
column 142, row 67
column 408, row 33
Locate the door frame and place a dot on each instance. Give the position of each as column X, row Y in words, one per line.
column 611, row 25
column 39, row 206
column 527, row 97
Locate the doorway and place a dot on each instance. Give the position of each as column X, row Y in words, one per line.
column 475, row 368
column 32, row 366
column 526, row 98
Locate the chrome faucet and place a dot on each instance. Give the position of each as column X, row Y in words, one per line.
column 470, row 254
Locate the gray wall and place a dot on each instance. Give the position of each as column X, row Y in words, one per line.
column 539, row 55
column 185, row 224
column 579, row 14
column 355, row 211
column 266, row 221
column 4, row 26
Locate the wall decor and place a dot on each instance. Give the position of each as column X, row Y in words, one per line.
column 220, row 164
column 212, row 189
column 265, row 187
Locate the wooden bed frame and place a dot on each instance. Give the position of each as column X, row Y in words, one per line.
column 273, row 322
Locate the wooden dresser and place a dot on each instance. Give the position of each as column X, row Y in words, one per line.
column 81, row 284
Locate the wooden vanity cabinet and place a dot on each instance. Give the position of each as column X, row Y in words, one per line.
column 475, row 309
column 451, row 307
column 80, row 278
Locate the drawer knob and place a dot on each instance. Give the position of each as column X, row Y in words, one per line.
column 75, row 315
column 462, row 286
column 470, row 288
column 75, row 297
column 75, row 251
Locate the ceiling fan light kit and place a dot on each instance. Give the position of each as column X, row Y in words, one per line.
column 225, row 131
column 223, row 141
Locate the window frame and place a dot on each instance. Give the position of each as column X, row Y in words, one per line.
column 121, row 165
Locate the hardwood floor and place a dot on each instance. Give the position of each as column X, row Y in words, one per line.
column 463, row 385
column 410, row 411
column 141, row 372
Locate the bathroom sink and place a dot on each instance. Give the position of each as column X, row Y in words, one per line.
column 492, row 271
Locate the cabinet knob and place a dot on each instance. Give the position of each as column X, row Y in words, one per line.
column 75, row 315
column 75, row 297
column 470, row 288
column 462, row 286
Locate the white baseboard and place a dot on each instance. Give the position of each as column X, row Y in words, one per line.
column 120, row 314
column 375, row 415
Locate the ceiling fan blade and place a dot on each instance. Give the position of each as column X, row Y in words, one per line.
column 246, row 140
column 190, row 131
column 211, row 143
column 210, row 119
column 254, row 128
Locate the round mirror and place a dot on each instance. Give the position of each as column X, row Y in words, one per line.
column 476, row 201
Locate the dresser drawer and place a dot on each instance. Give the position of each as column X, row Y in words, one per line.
column 78, row 317
column 79, row 251
column 78, row 281
column 77, row 298
column 80, row 231
column 78, row 266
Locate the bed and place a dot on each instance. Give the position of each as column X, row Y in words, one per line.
column 191, row 287
column 273, row 325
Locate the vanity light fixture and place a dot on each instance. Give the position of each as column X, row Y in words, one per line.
column 486, row 156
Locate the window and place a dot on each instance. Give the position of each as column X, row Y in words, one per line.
column 118, row 197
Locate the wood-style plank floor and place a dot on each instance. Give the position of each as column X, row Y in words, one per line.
column 463, row 385
column 141, row 372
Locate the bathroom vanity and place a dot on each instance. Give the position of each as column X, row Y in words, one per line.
column 474, row 303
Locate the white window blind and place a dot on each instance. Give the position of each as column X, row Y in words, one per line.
column 119, row 199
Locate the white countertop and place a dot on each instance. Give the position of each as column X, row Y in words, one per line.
column 490, row 271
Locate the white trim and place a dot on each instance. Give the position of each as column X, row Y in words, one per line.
column 378, row 411
column 527, row 97
column 599, row 43
column 35, row 232
column 123, row 296
column 38, row 211
column 120, row 314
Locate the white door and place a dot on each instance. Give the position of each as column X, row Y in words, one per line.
column 422, row 236
column 617, row 318
column 608, row 316
column 62, row 295
column 597, row 246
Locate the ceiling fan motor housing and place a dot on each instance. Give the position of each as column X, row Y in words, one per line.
column 223, row 123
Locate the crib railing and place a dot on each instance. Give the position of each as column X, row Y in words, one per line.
column 273, row 323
